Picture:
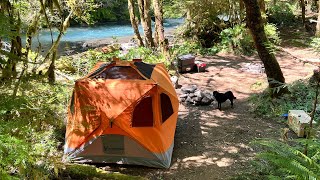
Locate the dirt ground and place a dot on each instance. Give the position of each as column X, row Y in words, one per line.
column 214, row 144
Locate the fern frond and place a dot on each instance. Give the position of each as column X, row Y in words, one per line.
column 316, row 157
column 290, row 160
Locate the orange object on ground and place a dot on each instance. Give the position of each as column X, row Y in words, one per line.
column 123, row 112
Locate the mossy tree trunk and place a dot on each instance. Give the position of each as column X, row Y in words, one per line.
column 159, row 29
column 318, row 21
column 10, row 70
column 144, row 9
column 303, row 11
column 272, row 67
column 262, row 6
column 52, row 53
column 241, row 7
column 134, row 22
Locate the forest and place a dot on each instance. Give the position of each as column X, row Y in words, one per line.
column 252, row 140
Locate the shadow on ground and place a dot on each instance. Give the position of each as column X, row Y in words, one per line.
column 213, row 144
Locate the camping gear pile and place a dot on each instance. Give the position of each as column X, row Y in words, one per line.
column 122, row 112
column 194, row 96
column 187, row 63
column 200, row 66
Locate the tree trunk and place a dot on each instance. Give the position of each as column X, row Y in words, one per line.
column 318, row 21
column 256, row 26
column 10, row 69
column 158, row 12
column 262, row 6
column 134, row 22
column 53, row 50
column 51, row 75
column 241, row 6
column 303, row 11
column 144, row 9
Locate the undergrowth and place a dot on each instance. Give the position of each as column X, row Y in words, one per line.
column 280, row 160
column 32, row 131
column 300, row 98
column 80, row 64
column 31, row 126
column 297, row 159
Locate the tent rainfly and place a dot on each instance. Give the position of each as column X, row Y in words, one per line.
column 122, row 112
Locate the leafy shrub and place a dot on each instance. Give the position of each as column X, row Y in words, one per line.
column 239, row 40
column 82, row 63
column 206, row 33
column 209, row 51
column 301, row 97
column 147, row 55
column 29, row 144
column 172, row 9
column 288, row 162
column 315, row 44
column 186, row 47
column 282, row 13
column 272, row 33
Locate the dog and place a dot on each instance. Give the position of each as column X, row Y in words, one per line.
column 222, row 97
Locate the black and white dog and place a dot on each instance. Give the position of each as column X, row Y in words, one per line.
column 222, row 97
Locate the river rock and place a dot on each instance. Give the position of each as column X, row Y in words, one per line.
column 189, row 100
column 85, row 45
column 198, row 93
column 183, row 96
column 206, row 101
column 189, row 89
column 191, row 95
column 208, row 94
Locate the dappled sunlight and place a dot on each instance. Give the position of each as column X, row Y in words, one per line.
column 210, row 141
column 232, row 149
column 222, row 114
column 201, row 160
column 225, row 162
column 224, row 157
column 208, row 125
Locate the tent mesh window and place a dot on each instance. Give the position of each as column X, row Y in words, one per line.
column 143, row 113
column 120, row 72
column 166, row 107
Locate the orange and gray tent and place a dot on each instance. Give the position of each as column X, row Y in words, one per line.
column 122, row 112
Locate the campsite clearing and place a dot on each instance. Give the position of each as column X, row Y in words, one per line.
column 213, row 144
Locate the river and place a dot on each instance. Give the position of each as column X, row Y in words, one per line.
column 77, row 37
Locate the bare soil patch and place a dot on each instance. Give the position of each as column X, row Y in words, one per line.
column 213, row 144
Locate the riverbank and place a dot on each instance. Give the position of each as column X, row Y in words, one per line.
column 70, row 48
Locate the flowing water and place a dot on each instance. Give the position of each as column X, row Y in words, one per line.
column 76, row 34
column 75, row 37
